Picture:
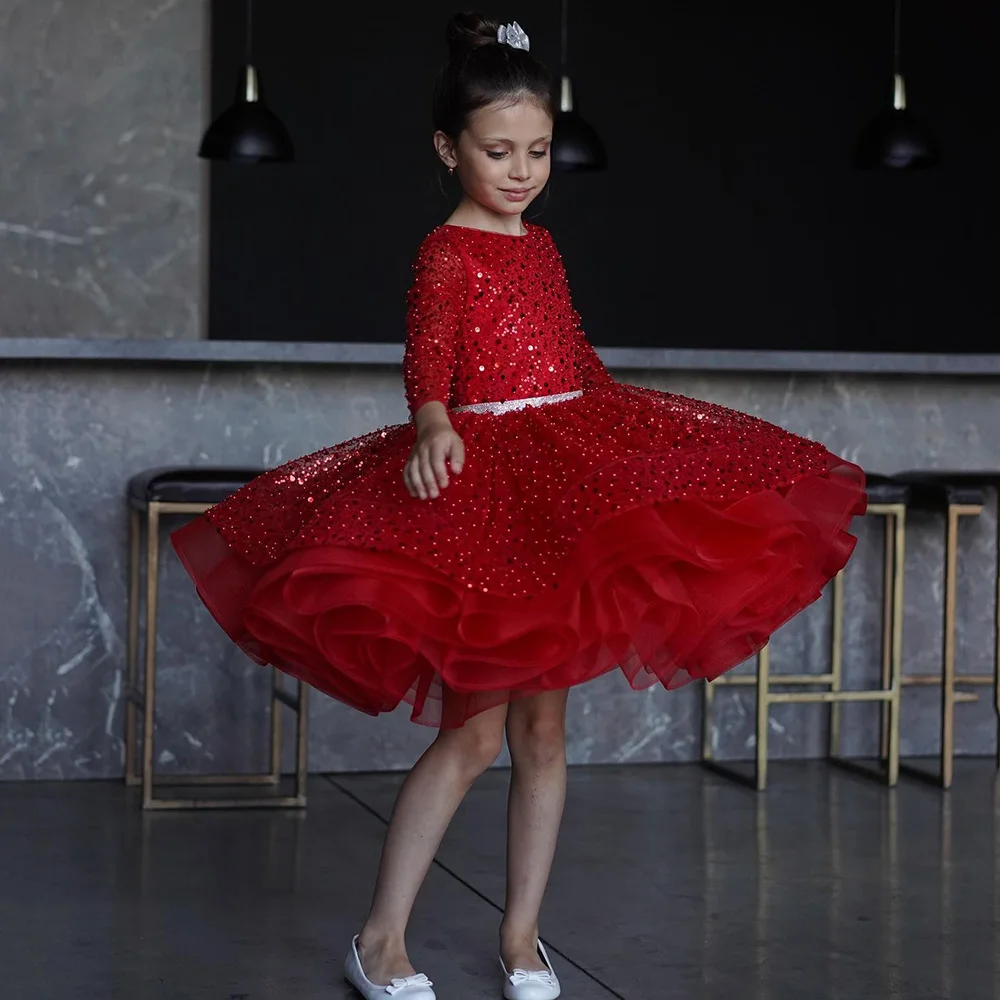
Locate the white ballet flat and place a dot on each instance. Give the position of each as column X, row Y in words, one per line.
column 523, row 985
column 416, row 987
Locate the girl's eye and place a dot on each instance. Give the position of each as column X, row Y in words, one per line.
column 496, row 154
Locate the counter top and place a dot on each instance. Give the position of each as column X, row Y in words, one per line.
column 297, row 353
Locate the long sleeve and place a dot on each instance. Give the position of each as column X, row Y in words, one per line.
column 435, row 305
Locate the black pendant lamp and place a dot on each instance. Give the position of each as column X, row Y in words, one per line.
column 576, row 147
column 248, row 131
column 895, row 140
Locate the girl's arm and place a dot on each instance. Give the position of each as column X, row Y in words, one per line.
column 432, row 322
column 432, row 414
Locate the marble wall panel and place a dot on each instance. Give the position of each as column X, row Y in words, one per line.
column 73, row 434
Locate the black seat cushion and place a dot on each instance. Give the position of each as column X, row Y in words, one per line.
column 885, row 489
column 187, row 484
column 938, row 490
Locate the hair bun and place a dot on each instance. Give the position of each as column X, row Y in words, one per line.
column 468, row 31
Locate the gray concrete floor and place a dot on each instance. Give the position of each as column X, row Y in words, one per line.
column 671, row 884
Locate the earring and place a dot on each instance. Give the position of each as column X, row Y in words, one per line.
column 451, row 170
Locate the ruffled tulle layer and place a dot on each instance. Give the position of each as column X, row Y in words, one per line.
column 666, row 590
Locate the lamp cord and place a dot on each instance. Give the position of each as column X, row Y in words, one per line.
column 896, row 57
column 564, row 35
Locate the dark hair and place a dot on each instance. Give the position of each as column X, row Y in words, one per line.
column 482, row 71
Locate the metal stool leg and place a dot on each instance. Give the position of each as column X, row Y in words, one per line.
column 277, row 687
column 302, row 745
column 300, row 705
column 898, row 527
column 888, row 635
column 834, row 694
column 948, row 658
column 836, row 660
column 132, row 649
column 948, row 678
column 887, row 694
column 892, row 641
column 708, row 700
column 763, row 714
column 149, row 712
column 145, row 700
column 707, row 704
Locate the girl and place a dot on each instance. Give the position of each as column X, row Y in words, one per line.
column 536, row 524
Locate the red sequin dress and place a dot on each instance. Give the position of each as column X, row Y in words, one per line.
column 596, row 525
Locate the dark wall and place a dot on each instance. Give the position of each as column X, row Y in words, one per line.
column 730, row 216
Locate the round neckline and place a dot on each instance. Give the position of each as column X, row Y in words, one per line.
column 491, row 232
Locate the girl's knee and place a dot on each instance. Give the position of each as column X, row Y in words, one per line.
column 476, row 745
column 537, row 739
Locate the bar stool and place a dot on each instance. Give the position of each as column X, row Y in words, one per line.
column 887, row 498
column 956, row 495
column 167, row 491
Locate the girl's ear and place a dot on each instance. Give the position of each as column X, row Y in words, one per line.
column 445, row 150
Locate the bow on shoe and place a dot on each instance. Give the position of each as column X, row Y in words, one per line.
column 400, row 984
column 542, row 977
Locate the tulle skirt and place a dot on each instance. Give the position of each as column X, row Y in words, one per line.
column 623, row 529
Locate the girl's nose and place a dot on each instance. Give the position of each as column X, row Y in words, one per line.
column 520, row 168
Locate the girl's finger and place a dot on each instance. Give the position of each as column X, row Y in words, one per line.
column 457, row 455
column 427, row 474
column 415, row 478
column 440, row 469
column 408, row 478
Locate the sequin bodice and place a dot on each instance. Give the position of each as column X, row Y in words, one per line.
column 490, row 319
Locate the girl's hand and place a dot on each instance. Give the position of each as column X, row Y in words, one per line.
column 438, row 446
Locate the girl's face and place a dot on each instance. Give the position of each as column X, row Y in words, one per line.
column 502, row 157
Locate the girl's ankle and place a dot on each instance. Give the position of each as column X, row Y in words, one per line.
column 386, row 942
column 518, row 936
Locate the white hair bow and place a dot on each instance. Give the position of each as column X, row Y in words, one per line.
column 514, row 36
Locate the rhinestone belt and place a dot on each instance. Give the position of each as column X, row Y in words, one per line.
column 509, row 405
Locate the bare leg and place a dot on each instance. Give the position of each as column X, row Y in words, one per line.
column 426, row 803
column 536, row 736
